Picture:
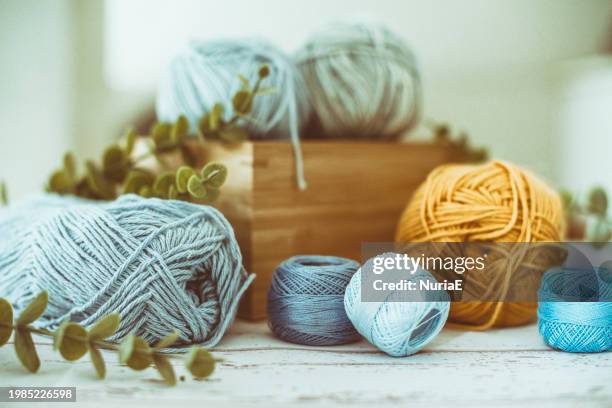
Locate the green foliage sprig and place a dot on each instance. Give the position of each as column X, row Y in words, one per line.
column 120, row 173
column 595, row 208
column 3, row 194
column 73, row 341
column 442, row 135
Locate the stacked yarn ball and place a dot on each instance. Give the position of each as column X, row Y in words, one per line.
column 493, row 202
column 399, row 328
column 162, row 265
column 575, row 309
column 362, row 81
column 208, row 73
column 305, row 300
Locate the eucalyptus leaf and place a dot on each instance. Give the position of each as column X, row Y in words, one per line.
column 165, row 369
column 167, row 341
column 243, row 101
column 215, row 117
column 130, row 141
column 196, row 188
column 71, row 341
column 34, row 310
column 264, row 71
column 97, row 360
column 136, row 180
column 161, row 133
column 214, row 174
column 598, row 202
column 105, row 327
column 234, row 134
column 145, row 192
column 60, row 182
column 179, row 130
column 6, row 321
column 70, row 165
column 163, row 183
column 199, row 362
column 183, row 174
column 26, row 351
column 135, row 353
column 3, row 194
column 115, row 163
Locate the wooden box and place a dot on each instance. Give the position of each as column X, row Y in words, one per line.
column 356, row 192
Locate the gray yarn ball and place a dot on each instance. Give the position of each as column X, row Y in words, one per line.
column 163, row 265
column 362, row 82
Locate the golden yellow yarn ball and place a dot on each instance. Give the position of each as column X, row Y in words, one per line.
column 492, row 202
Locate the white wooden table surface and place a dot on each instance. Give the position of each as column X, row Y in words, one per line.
column 510, row 367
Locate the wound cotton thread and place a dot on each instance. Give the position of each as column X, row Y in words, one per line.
column 305, row 300
column 207, row 73
column 362, row 81
column 163, row 265
column 575, row 309
column 399, row 328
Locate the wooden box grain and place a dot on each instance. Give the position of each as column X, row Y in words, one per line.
column 356, row 192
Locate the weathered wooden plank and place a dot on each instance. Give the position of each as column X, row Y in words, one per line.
column 498, row 368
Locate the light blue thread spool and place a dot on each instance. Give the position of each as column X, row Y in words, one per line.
column 305, row 300
column 399, row 328
column 575, row 309
column 163, row 265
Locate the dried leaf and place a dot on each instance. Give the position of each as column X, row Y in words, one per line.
column 165, row 369
column 243, row 101
column 199, row 362
column 115, row 163
column 6, row 321
column 172, row 193
column 71, row 341
column 135, row 353
column 26, row 351
column 196, row 188
column 214, row 174
column 34, row 310
column 167, row 341
column 105, row 327
column 97, row 360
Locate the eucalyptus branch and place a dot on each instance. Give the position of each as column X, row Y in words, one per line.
column 73, row 341
column 119, row 172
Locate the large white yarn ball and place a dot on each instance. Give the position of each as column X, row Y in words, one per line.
column 399, row 328
column 207, row 73
column 362, row 81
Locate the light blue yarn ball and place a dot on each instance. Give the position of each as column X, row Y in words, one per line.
column 575, row 309
column 162, row 265
column 207, row 72
column 305, row 300
column 399, row 328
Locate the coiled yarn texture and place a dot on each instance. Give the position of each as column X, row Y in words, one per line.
column 493, row 202
column 362, row 81
column 305, row 300
column 207, row 73
column 575, row 309
column 399, row 328
column 163, row 265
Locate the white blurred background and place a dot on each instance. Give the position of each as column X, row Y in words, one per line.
column 530, row 79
